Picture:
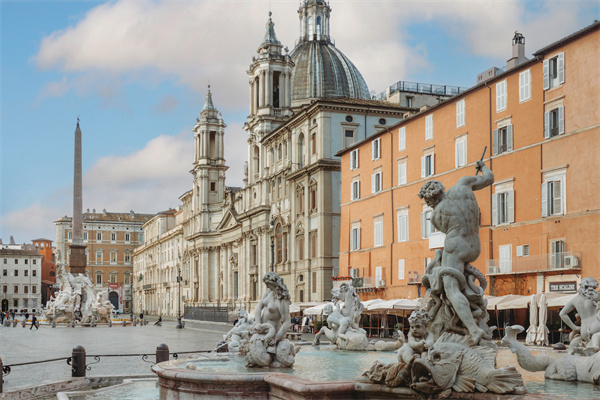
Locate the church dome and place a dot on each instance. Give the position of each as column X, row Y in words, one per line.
column 322, row 71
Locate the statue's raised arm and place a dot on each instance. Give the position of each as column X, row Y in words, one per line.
column 478, row 182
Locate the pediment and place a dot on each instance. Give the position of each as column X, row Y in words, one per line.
column 229, row 221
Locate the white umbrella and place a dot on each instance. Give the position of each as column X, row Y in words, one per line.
column 542, row 331
column 533, row 320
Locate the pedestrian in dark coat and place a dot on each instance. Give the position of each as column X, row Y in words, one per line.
column 34, row 322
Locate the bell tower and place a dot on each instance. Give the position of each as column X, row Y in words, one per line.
column 314, row 20
column 209, row 163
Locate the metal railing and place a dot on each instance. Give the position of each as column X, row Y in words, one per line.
column 425, row 88
column 532, row 263
column 79, row 364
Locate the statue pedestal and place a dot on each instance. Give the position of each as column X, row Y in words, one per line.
column 78, row 260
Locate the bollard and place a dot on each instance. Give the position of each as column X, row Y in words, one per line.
column 124, row 323
column 23, row 323
column 53, row 323
column 1, row 374
column 162, row 353
column 78, row 361
column 73, row 324
column 134, row 322
column 110, row 322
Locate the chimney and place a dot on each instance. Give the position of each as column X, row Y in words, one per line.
column 518, row 51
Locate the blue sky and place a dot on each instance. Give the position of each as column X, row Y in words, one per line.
column 136, row 73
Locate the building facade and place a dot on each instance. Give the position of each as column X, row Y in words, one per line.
column 21, row 277
column 110, row 239
column 45, row 248
column 540, row 122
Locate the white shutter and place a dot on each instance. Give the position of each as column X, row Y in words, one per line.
column 546, row 70
column 496, row 143
column 423, row 226
column 519, row 251
column 528, row 85
column 544, row 199
column 373, row 150
column 352, row 197
column 495, row 209
column 402, row 138
column 402, row 228
column 561, row 120
column 456, row 153
column 358, row 189
column 522, row 86
column 561, row 68
column 511, row 205
column 373, row 183
column 377, row 274
column 357, row 238
column 432, row 164
column 547, row 124
column 557, row 196
column 423, row 160
column 509, row 137
column 401, row 269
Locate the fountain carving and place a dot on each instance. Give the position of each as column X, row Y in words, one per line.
column 455, row 352
column 237, row 337
column 76, row 301
column 342, row 322
column 267, row 346
column 587, row 304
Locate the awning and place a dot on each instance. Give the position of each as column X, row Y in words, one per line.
column 297, row 307
column 560, row 301
column 318, row 309
column 495, row 301
column 395, row 304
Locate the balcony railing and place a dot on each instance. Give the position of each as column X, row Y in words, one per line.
column 534, row 263
column 427, row 88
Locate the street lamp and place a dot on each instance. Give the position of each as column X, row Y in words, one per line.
column 272, row 243
column 179, row 325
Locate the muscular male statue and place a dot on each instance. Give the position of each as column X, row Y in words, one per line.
column 456, row 213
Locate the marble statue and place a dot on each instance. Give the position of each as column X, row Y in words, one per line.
column 458, row 305
column 74, row 300
column 449, row 347
column 102, row 310
column 587, row 305
column 342, row 322
column 239, row 334
column 571, row 367
column 267, row 346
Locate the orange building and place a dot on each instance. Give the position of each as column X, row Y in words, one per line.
column 48, row 267
column 540, row 121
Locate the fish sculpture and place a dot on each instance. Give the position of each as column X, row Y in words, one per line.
column 451, row 364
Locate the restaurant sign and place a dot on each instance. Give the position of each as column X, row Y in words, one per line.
column 563, row 286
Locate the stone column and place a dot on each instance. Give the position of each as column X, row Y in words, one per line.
column 261, row 89
column 77, row 262
column 270, row 88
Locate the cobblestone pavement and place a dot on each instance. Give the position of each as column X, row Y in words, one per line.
column 18, row 345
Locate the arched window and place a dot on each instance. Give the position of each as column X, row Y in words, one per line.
column 318, row 28
column 279, row 152
column 310, row 27
column 301, row 151
column 256, row 161
column 279, row 242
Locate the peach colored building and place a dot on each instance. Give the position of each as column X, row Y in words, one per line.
column 540, row 121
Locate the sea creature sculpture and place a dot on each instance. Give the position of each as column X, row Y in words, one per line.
column 451, row 364
column 568, row 368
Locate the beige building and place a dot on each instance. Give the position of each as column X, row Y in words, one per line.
column 110, row 239
column 21, row 277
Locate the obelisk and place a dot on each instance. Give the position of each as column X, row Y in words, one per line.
column 77, row 260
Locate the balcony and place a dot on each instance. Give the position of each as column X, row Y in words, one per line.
column 368, row 284
column 565, row 261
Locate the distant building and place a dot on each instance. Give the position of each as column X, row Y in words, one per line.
column 21, row 277
column 110, row 239
column 48, row 267
column 157, row 264
column 540, row 122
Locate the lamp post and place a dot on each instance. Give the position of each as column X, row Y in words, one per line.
column 179, row 325
column 272, row 244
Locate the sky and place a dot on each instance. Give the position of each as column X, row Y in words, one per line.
column 136, row 73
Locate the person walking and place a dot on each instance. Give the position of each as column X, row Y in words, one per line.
column 2, row 318
column 26, row 316
column 159, row 322
column 34, row 322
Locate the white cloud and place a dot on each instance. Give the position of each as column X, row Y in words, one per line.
column 36, row 219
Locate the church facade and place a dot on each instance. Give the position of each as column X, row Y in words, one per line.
column 304, row 107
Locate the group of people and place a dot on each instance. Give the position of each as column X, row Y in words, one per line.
column 306, row 324
column 11, row 314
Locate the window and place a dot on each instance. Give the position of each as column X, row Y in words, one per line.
column 427, row 227
column 429, row 127
column 554, row 71
column 16, row 260
column 401, row 269
column 402, row 216
column 313, row 197
column 402, row 138
column 378, row 231
column 460, row 148
column 127, row 237
column 99, row 256
column 99, row 278
column 70, row 235
column 5, row 261
column 85, row 236
column 113, row 256
column 355, row 189
column 34, row 289
column 16, row 272
column 379, row 276
column 127, row 257
column 279, row 243
column 300, row 248
column 554, row 122
column 253, row 253
column 382, row 121
column 52, row 273
column 355, row 237
column 525, row 86
column 349, row 133
column 99, row 236
column 113, row 237
column 402, row 171
column 34, row 272
column 503, row 139
column 314, row 282
column 503, row 207
column 376, row 182
column 16, row 289
column 113, row 277
column 25, row 289
column 523, row 251
column 505, row 258
column 427, row 164
column 553, row 194
column 26, row 273
column 409, row 101
column 460, row 113
column 26, row 261
column 349, row 118
column 376, row 149
column 4, row 289
column 313, row 143
column 34, row 262
column 354, row 159
column 213, row 186
column 313, row 244
column 558, row 249
column 5, row 271
column 300, row 193
column 501, row 96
